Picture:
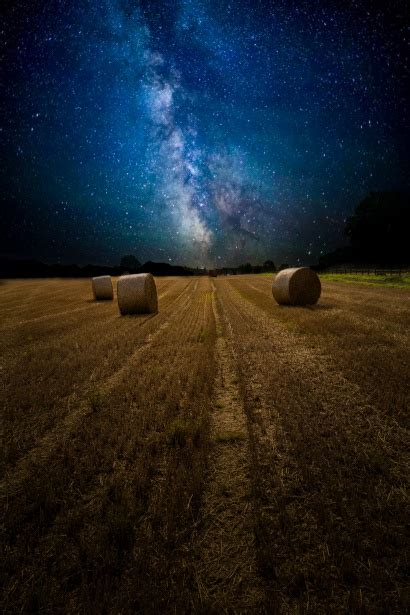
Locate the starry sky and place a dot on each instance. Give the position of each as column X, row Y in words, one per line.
column 197, row 132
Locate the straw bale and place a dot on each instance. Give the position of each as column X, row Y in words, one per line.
column 137, row 294
column 102, row 287
column 296, row 286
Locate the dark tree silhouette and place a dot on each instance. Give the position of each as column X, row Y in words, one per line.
column 246, row 268
column 269, row 266
column 340, row 256
column 379, row 228
column 130, row 262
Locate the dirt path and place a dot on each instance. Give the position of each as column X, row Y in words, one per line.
column 226, row 572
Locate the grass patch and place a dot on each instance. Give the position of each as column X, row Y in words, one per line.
column 95, row 401
column 203, row 336
column 183, row 432
column 225, row 437
column 389, row 281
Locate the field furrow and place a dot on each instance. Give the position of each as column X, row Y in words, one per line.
column 43, row 296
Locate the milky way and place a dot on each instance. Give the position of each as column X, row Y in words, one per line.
column 198, row 132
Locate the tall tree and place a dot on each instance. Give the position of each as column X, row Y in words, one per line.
column 130, row 262
column 379, row 228
column 269, row 266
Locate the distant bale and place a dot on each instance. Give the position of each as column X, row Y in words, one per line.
column 137, row 294
column 213, row 273
column 102, row 287
column 296, row 286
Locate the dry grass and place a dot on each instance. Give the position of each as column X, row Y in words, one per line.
column 51, row 362
column 224, row 455
column 329, row 442
column 103, row 497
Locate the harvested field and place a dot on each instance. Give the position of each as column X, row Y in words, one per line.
column 225, row 455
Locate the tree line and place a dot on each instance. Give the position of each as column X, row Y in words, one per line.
column 378, row 232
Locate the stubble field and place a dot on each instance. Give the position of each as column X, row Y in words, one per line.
column 226, row 455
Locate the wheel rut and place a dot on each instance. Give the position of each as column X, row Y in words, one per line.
column 226, row 571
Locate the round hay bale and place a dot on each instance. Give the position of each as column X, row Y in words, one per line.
column 137, row 294
column 102, row 287
column 296, row 286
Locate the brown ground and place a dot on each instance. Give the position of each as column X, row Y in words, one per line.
column 226, row 455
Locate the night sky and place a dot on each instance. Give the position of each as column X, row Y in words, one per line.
column 197, row 132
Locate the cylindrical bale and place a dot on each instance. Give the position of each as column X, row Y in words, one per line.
column 102, row 287
column 137, row 294
column 296, row 286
